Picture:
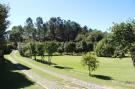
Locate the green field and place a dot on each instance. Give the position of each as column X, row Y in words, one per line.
column 114, row 72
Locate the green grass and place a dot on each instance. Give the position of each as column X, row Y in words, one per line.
column 12, row 78
column 114, row 72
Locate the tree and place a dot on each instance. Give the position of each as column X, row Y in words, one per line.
column 124, row 36
column 80, row 37
column 71, row 30
column 33, row 50
column 105, row 47
column 52, row 26
column 95, row 36
column 70, row 47
column 85, row 30
column 29, row 30
column 39, row 25
column 84, row 46
column 60, row 48
column 16, row 34
column 45, row 30
column 41, row 50
column 3, row 26
column 90, row 61
column 51, row 47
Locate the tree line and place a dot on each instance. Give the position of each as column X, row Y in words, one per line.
column 55, row 29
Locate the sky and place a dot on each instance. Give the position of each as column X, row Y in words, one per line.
column 96, row 14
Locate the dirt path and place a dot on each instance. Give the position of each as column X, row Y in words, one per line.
column 73, row 80
column 47, row 84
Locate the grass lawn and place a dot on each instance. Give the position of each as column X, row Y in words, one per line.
column 118, row 73
column 12, row 78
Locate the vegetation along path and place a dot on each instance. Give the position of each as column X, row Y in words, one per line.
column 75, row 81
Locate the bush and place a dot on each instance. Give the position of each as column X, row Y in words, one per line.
column 104, row 49
column 90, row 61
column 89, row 46
column 84, row 46
column 60, row 48
column 24, row 50
column 70, row 47
column 51, row 47
column 40, row 50
column 79, row 48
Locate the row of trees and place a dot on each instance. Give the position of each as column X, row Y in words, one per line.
column 48, row 48
column 55, row 29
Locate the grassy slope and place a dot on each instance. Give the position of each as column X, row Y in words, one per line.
column 12, row 78
column 112, row 72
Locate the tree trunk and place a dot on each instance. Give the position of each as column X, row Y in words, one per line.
column 89, row 71
column 133, row 58
column 49, row 60
column 1, row 57
column 35, row 57
column 132, row 51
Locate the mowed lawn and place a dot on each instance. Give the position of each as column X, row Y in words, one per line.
column 113, row 72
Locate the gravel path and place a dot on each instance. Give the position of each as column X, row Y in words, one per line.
column 73, row 80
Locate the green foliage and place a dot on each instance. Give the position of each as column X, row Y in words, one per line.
column 79, row 48
column 70, row 47
column 16, row 34
column 83, row 46
column 3, row 26
column 95, row 36
column 40, row 50
column 51, row 47
column 33, row 49
column 80, row 37
column 104, row 48
column 90, row 61
column 25, row 50
column 90, row 46
column 60, row 48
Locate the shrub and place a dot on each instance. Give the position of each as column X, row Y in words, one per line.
column 89, row 46
column 51, row 47
column 25, row 50
column 40, row 50
column 70, row 47
column 84, row 46
column 79, row 48
column 104, row 49
column 33, row 50
column 60, row 48
column 90, row 61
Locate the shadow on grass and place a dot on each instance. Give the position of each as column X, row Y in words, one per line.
column 55, row 65
column 9, row 79
column 103, row 77
column 61, row 67
column 45, row 62
column 22, row 67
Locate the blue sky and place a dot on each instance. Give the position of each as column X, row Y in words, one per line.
column 98, row 14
